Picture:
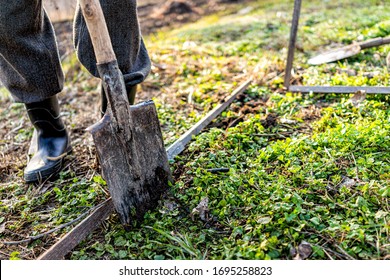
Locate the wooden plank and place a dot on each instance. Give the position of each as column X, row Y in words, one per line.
column 339, row 89
column 292, row 43
column 178, row 146
column 81, row 231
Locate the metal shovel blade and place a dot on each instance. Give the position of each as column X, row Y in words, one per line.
column 347, row 51
column 131, row 150
column 335, row 55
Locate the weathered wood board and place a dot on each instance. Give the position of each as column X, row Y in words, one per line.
column 81, row 231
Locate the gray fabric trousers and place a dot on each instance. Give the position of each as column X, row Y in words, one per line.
column 30, row 67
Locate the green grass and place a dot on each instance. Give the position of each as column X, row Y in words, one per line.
column 279, row 194
column 302, row 167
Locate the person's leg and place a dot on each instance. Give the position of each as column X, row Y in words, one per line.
column 30, row 69
column 29, row 63
column 123, row 26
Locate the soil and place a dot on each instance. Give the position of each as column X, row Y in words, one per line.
column 155, row 14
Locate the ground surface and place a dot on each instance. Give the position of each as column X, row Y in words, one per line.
column 308, row 175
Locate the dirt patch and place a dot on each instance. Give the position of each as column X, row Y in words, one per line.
column 310, row 114
column 176, row 7
column 271, row 120
column 156, row 14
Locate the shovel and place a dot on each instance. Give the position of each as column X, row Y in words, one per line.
column 128, row 138
column 347, row 51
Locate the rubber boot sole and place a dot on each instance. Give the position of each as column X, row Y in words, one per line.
column 41, row 175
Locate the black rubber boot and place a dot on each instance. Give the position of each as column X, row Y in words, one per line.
column 131, row 92
column 53, row 142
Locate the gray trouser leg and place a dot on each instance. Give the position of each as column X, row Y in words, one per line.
column 123, row 26
column 29, row 63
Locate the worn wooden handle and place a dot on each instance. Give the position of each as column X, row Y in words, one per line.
column 374, row 42
column 98, row 31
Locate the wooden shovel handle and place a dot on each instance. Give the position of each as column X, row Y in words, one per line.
column 374, row 42
column 98, row 31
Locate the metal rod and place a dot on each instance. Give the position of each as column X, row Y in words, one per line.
column 339, row 89
column 292, row 43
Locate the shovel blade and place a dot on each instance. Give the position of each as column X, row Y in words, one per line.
column 335, row 55
column 134, row 166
